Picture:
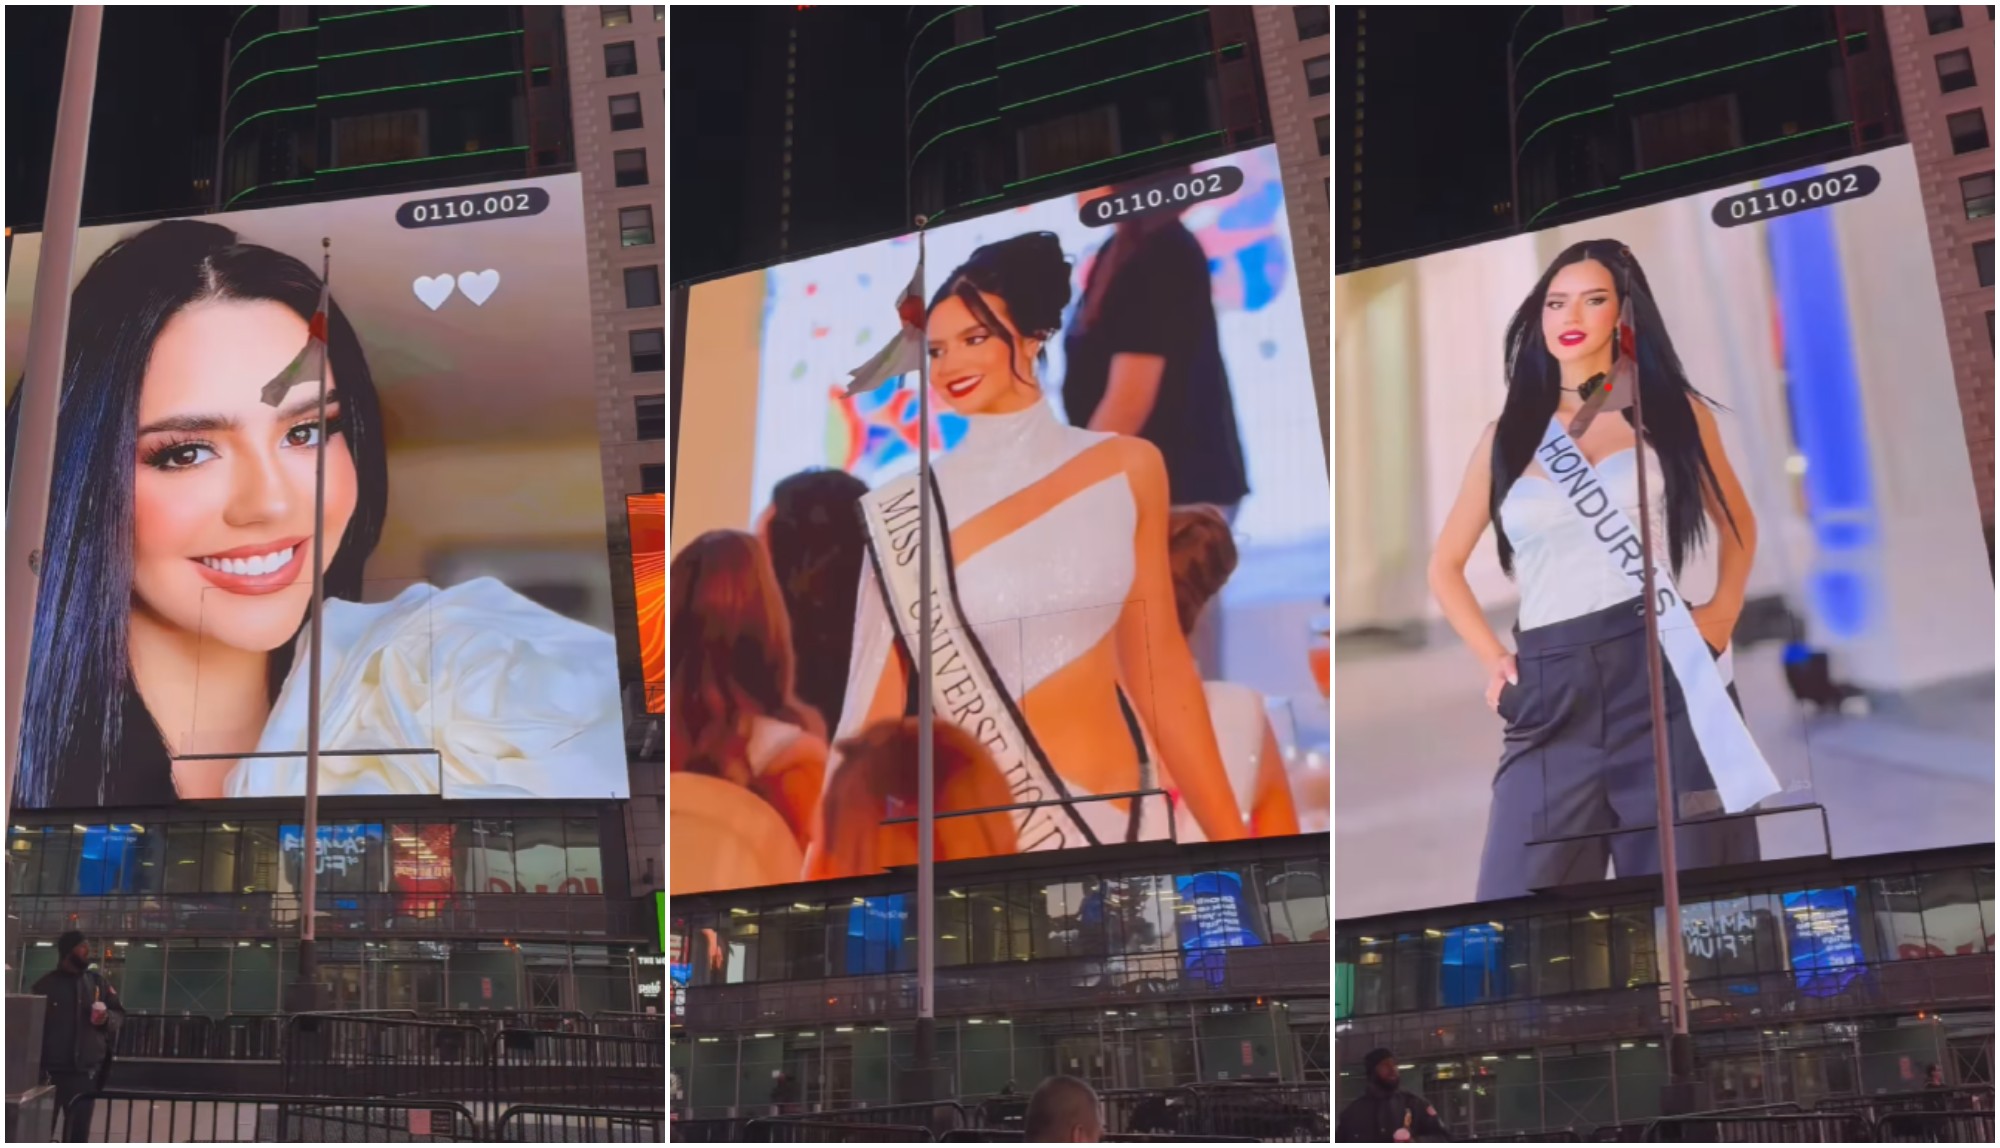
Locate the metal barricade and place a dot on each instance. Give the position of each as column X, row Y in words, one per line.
column 554, row 1124
column 1778, row 1128
column 1273, row 1112
column 126, row 1116
column 329, row 1055
column 1956, row 1126
column 708, row 1131
column 777, row 1130
column 579, row 1069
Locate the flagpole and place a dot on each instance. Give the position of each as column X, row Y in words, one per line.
column 926, row 1035
column 33, row 459
column 308, row 931
column 1680, row 1058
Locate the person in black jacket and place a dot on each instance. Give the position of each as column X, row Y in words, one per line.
column 78, row 1031
column 1384, row 1113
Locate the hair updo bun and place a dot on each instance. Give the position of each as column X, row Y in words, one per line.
column 1029, row 273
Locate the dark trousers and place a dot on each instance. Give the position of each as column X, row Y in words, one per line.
column 1577, row 767
column 76, row 1121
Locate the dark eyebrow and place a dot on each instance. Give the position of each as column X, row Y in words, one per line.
column 1586, row 291
column 979, row 327
column 210, row 424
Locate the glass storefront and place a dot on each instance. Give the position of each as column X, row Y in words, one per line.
column 1824, row 936
column 1140, row 926
column 419, row 859
column 214, row 977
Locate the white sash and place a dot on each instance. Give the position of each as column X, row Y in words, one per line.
column 965, row 689
column 1742, row 776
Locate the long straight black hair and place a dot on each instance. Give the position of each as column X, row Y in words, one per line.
column 82, row 716
column 1534, row 388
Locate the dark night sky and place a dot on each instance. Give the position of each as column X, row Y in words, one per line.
column 1436, row 148
column 727, row 77
column 158, row 81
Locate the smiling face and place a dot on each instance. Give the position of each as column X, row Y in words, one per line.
column 972, row 367
column 1580, row 312
column 222, row 489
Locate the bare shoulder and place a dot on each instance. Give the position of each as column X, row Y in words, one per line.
column 1143, row 463
column 1704, row 416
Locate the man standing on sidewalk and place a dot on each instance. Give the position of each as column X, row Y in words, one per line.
column 78, row 1031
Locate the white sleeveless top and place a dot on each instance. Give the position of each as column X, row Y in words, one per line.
column 1561, row 570
column 1038, row 598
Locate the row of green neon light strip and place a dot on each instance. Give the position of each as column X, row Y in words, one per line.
column 1072, row 170
column 1046, row 55
column 1682, row 80
column 1625, row 179
column 1648, row 44
column 1052, row 95
column 238, row 22
column 363, row 52
column 368, row 166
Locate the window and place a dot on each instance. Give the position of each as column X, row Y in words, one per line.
column 630, row 167
column 650, row 413
column 1312, row 19
column 653, row 478
column 1318, row 76
column 621, row 59
column 1982, row 257
column 1954, row 71
column 614, row 15
column 649, row 350
column 1989, row 330
column 1068, row 142
column 635, row 226
column 381, row 138
column 1977, row 190
column 1322, row 125
column 1968, row 131
column 626, row 114
column 1676, row 135
column 659, row 13
column 642, row 286
column 1943, row 18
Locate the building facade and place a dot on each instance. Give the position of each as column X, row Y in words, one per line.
column 521, row 907
column 333, row 102
column 1010, row 104
column 469, row 904
column 1294, row 45
column 1086, row 962
column 618, row 93
column 1944, row 76
column 1618, row 106
column 1805, row 982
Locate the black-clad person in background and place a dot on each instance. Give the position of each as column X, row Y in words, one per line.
column 1144, row 357
column 78, row 1031
column 1384, row 1113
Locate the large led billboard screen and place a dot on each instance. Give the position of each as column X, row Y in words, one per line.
column 646, row 526
column 1827, row 634
column 468, row 649
column 1132, row 554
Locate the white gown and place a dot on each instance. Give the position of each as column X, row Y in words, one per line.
column 1038, row 598
column 515, row 700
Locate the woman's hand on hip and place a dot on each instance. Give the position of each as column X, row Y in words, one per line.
column 1502, row 674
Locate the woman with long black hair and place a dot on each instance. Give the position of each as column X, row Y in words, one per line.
column 1575, row 782
column 176, row 577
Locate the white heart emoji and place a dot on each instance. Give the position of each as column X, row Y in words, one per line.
column 433, row 292
column 479, row 287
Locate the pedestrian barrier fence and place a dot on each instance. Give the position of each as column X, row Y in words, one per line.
column 124, row 1116
column 555, row 1124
